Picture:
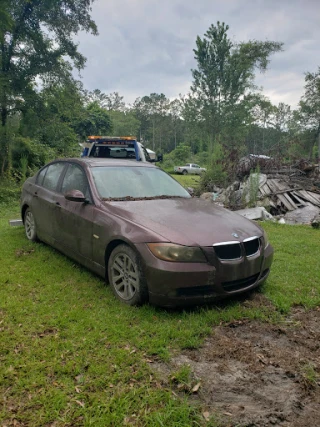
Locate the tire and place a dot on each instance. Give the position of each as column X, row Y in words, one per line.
column 30, row 226
column 125, row 275
column 184, row 172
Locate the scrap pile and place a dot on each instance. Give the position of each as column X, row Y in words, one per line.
column 286, row 195
column 292, row 192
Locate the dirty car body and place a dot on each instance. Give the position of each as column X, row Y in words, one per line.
column 136, row 226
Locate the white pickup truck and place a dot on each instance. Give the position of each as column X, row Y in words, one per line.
column 190, row 168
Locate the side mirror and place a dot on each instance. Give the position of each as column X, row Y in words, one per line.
column 158, row 159
column 75, row 196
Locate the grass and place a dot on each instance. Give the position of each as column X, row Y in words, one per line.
column 72, row 355
column 187, row 180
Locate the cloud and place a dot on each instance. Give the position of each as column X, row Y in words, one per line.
column 146, row 46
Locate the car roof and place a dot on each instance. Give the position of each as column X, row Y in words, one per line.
column 97, row 162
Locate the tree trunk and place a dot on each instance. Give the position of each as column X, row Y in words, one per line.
column 3, row 140
column 4, row 115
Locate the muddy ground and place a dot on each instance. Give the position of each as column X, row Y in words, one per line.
column 257, row 374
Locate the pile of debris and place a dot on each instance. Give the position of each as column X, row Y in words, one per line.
column 289, row 194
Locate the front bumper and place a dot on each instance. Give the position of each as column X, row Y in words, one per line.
column 173, row 284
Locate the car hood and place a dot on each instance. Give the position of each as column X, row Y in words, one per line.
column 191, row 222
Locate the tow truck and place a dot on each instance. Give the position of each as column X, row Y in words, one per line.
column 117, row 147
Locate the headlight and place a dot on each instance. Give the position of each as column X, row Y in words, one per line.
column 265, row 238
column 177, row 253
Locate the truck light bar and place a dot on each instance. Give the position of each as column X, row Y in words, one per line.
column 112, row 138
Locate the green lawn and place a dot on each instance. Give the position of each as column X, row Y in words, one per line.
column 72, row 355
column 187, row 180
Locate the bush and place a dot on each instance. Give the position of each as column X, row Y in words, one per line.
column 216, row 174
column 29, row 155
column 9, row 192
column 254, row 180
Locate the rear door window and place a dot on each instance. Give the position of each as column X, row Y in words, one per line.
column 41, row 175
column 52, row 175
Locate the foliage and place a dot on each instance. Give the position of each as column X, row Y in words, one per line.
column 181, row 155
column 152, row 112
column 94, row 121
column 23, row 167
column 223, row 80
column 309, row 109
column 111, row 102
column 10, row 193
column 124, row 123
column 35, row 154
column 253, row 184
column 36, row 44
column 216, row 174
column 51, row 117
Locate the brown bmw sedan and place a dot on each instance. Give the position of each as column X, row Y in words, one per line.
column 137, row 227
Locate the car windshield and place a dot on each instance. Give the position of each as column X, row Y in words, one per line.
column 135, row 182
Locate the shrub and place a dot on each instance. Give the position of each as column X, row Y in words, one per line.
column 216, row 174
column 9, row 192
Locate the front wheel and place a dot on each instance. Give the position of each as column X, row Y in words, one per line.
column 126, row 277
column 30, row 226
column 184, row 172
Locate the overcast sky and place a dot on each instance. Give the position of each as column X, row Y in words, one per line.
column 146, row 46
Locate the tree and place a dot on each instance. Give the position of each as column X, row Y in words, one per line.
column 124, row 123
column 261, row 115
column 151, row 112
column 309, row 109
column 224, row 79
column 36, row 42
column 51, row 115
column 95, row 120
column 112, row 101
column 115, row 102
column 175, row 114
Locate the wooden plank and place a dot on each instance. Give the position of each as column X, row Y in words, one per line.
column 275, row 186
column 290, row 200
column 285, row 202
column 281, row 186
column 314, row 195
column 271, row 185
column 309, row 197
column 288, row 190
column 265, row 190
column 296, row 195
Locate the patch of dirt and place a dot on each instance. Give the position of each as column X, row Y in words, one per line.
column 23, row 252
column 256, row 374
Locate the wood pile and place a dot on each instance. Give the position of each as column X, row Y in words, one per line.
column 284, row 198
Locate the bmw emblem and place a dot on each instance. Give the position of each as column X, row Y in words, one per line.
column 235, row 235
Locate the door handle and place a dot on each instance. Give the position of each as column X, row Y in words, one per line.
column 58, row 205
column 35, row 194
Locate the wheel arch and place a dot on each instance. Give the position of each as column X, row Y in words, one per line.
column 23, row 211
column 111, row 246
